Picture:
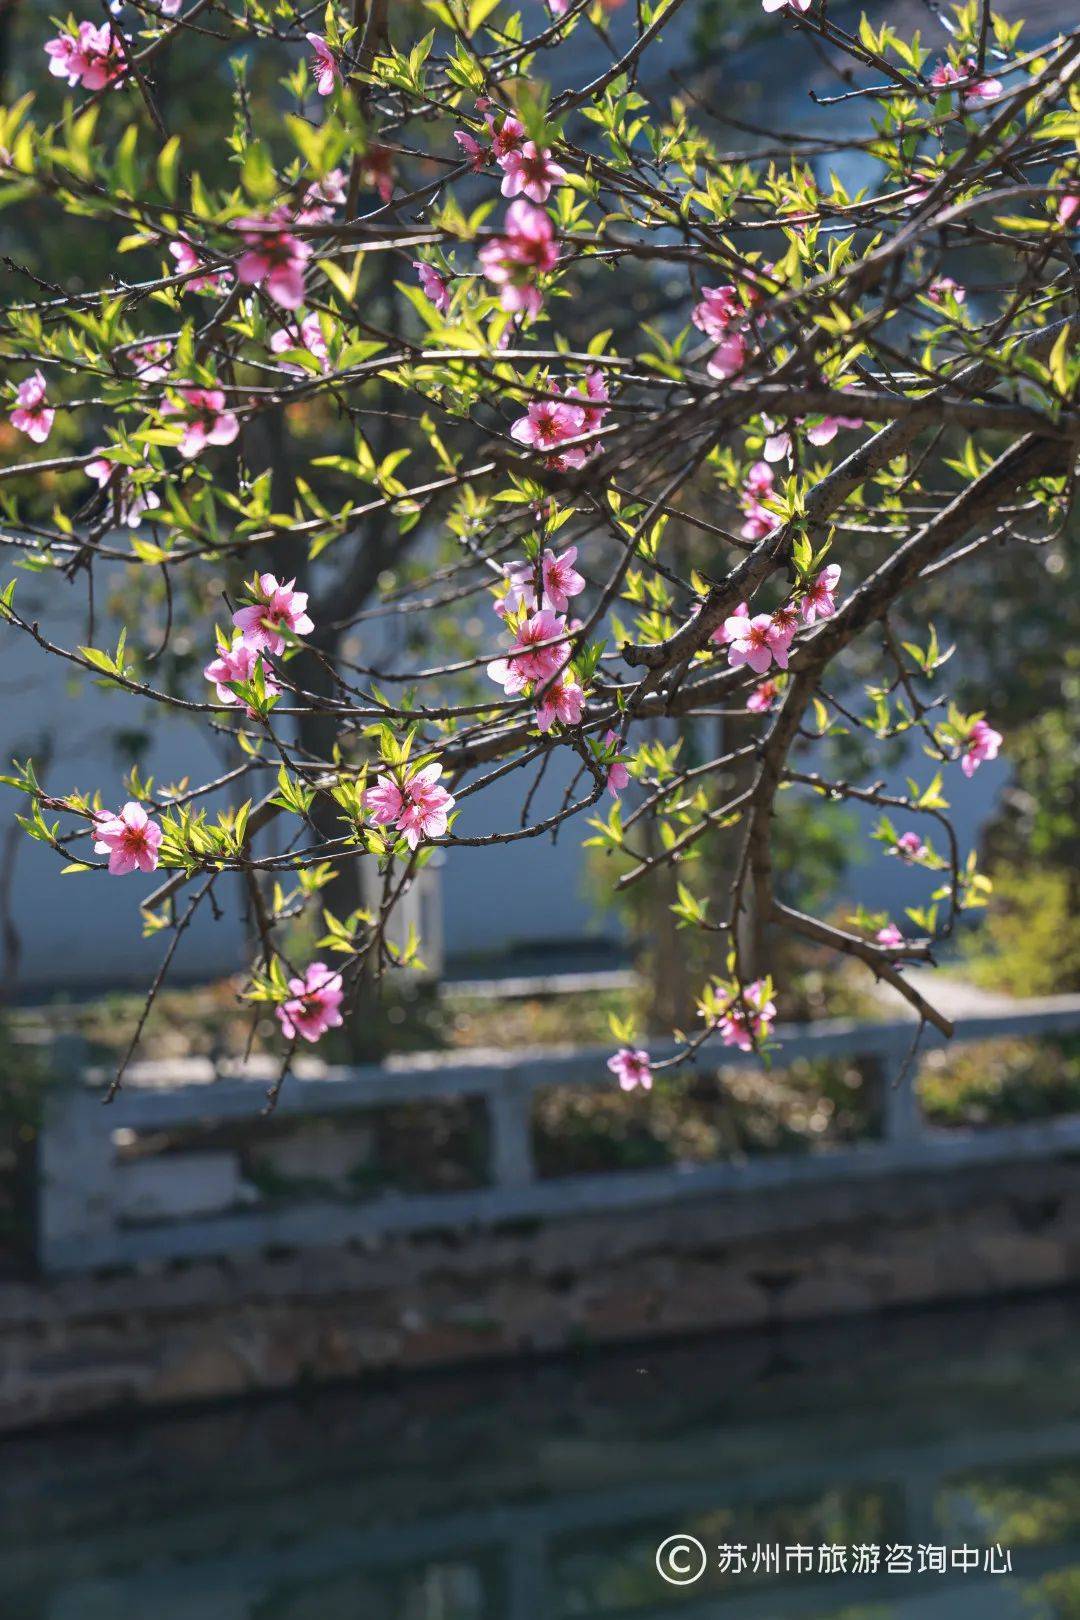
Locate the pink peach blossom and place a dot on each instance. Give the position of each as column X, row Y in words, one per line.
column 921, row 181
column 763, row 697
column 132, row 503
column 819, row 430
column 385, row 801
column 274, row 259
column 521, row 592
column 778, row 5
column 377, row 169
column 632, row 1067
column 759, row 521
column 151, row 360
column 129, row 838
column 529, row 660
column 982, row 743
column 314, row 1006
column 308, row 334
column 326, row 69
column 909, row 846
column 982, row 90
column 760, row 480
column 426, row 806
column 477, row 155
column 417, row 806
column 785, row 623
column 747, row 1019
column 562, row 701
column 942, row 286
column 777, row 441
column 618, row 776
column 188, row 259
column 507, row 135
column 819, row 601
column 755, row 641
column 547, row 424
column 722, row 635
column 1068, row 207
column 65, row 59
column 890, row 935
column 729, row 357
column 322, row 197
column 206, row 421
column 530, row 172
column 720, row 309
column 236, row 661
column 31, row 415
column 513, row 262
column 561, row 579
column 277, row 607
column 434, row 286
column 824, row 429
column 92, row 57
column 595, row 390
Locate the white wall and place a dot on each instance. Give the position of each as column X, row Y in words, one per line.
column 84, row 929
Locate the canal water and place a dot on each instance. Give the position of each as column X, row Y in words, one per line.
column 543, row 1491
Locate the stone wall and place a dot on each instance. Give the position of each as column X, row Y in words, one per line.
column 168, row 1335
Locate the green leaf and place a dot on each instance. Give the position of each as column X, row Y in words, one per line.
column 346, row 285
column 257, row 172
column 168, row 164
column 100, row 660
column 1058, row 362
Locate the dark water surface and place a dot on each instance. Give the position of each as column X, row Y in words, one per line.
column 542, row 1492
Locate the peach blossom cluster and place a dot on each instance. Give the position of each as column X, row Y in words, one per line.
column 276, row 611
column 549, row 424
column 761, row 639
column 92, row 57
column 536, row 662
column 32, row 415
column 514, row 261
column 412, row 802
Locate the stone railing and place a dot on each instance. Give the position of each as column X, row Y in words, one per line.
column 98, row 1206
